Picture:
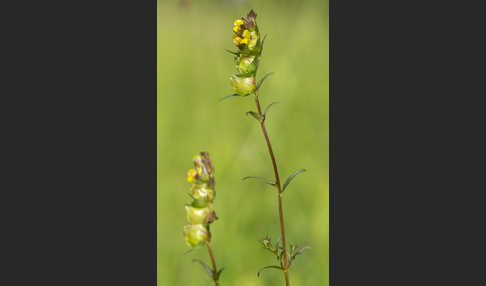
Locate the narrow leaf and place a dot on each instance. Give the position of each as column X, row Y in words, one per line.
column 270, row 182
column 299, row 251
column 231, row 52
column 187, row 251
column 291, row 177
column 267, row 267
column 263, row 41
column 254, row 114
column 261, row 80
column 268, row 107
column 205, row 266
column 228, row 96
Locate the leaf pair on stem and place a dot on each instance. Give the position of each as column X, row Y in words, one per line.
column 277, row 250
column 273, row 183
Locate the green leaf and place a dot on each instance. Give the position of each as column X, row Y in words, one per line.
column 268, row 107
column 267, row 267
column 218, row 274
column 233, row 53
column 261, row 80
column 228, row 96
column 277, row 244
column 291, row 177
column 205, row 266
column 263, row 41
column 187, row 251
column 301, row 250
column 270, row 182
column 255, row 115
column 297, row 252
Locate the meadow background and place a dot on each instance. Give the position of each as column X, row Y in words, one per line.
column 192, row 74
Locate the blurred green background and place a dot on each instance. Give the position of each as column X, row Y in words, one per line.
column 193, row 72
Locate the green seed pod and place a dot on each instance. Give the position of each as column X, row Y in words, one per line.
column 195, row 235
column 243, row 85
column 197, row 215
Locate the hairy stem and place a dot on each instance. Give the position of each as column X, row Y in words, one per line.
column 215, row 269
column 277, row 182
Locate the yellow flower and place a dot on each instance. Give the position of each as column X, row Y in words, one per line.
column 246, row 37
column 238, row 22
column 237, row 25
column 246, row 34
column 237, row 41
column 191, row 175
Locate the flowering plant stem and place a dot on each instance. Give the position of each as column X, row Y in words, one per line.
column 285, row 265
column 213, row 261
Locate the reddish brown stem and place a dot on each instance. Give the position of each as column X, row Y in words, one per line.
column 277, row 183
column 215, row 269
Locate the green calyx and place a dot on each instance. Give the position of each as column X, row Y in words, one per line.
column 202, row 193
column 196, row 235
column 246, row 65
column 243, row 85
column 197, row 215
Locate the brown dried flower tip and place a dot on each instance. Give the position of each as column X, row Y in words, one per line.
column 250, row 19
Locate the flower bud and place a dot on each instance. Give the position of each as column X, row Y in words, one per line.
column 267, row 243
column 243, row 85
column 195, row 234
column 197, row 215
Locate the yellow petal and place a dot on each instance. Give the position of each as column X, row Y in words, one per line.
column 191, row 174
column 237, row 41
column 238, row 22
column 246, row 34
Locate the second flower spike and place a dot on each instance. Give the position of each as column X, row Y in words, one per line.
column 200, row 212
